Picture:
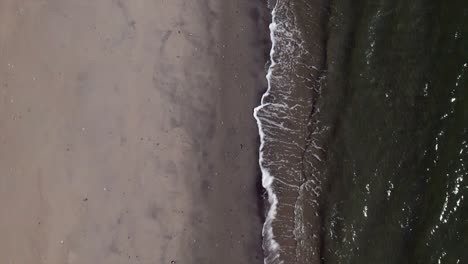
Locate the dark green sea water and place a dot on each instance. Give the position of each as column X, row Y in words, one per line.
column 364, row 132
column 397, row 159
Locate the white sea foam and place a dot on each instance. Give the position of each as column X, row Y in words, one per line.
column 272, row 247
column 281, row 118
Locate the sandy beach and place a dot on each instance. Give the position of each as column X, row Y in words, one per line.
column 126, row 131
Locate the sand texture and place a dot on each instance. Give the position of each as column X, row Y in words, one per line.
column 126, row 131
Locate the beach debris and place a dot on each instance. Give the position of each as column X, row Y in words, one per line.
column 61, row 242
column 85, row 199
column 173, row 262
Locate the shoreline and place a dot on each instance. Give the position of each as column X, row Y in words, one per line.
column 238, row 217
column 290, row 134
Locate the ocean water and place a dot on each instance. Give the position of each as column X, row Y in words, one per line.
column 364, row 132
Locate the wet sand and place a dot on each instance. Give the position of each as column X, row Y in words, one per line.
column 126, row 131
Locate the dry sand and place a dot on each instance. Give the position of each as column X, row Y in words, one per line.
column 126, row 133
